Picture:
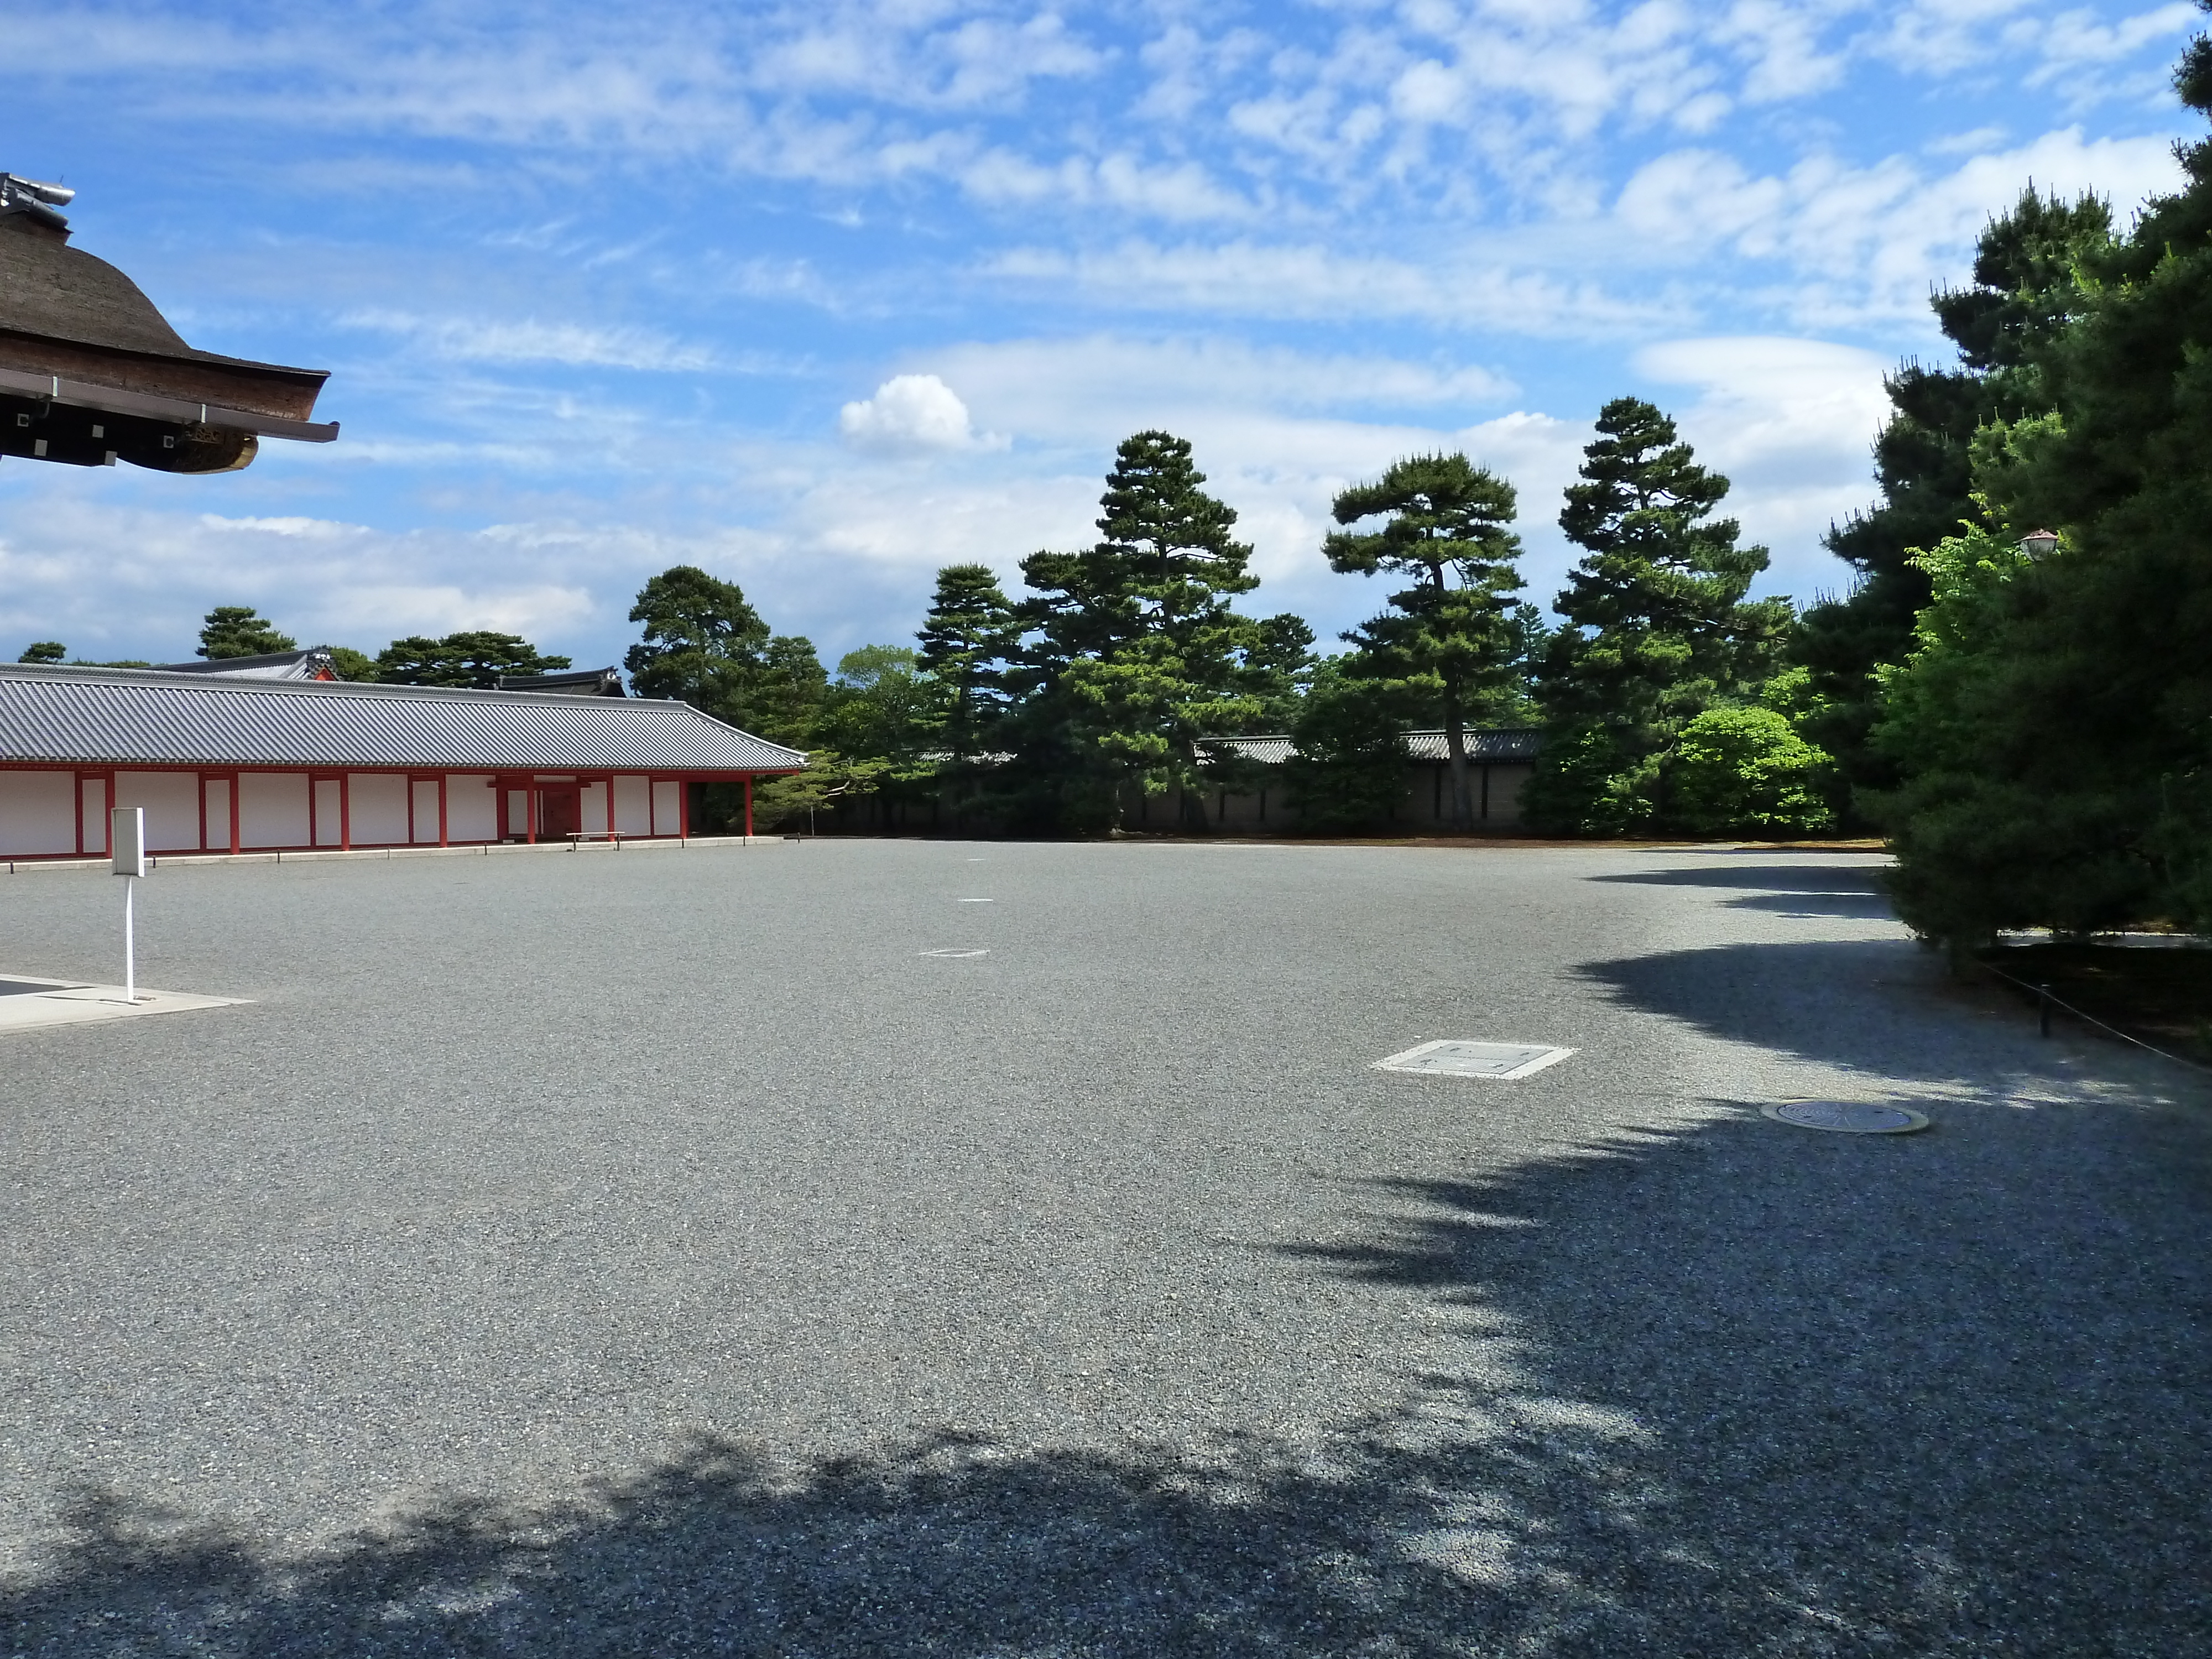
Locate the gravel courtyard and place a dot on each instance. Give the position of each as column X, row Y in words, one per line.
column 657, row 1252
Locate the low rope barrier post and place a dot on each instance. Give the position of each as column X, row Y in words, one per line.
column 2043, row 1010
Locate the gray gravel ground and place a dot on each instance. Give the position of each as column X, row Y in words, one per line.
column 655, row 1253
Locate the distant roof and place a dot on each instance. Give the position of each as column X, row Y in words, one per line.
column 59, row 714
column 1506, row 746
column 584, row 682
column 309, row 665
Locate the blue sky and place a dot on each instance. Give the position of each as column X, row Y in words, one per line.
column 823, row 296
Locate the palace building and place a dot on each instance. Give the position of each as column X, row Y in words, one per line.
column 258, row 754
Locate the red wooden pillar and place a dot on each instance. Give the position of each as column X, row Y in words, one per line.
column 200, row 779
column 441, row 808
column 107, row 822
column 682, row 808
column 530, row 812
column 748, row 805
column 234, row 810
column 346, row 812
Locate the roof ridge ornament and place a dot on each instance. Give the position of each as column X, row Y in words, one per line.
column 35, row 198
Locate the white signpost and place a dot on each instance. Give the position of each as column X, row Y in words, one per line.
column 127, row 830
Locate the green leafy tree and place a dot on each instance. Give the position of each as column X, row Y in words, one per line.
column 1347, row 769
column 1657, row 625
column 1452, row 632
column 472, row 657
column 236, row 630
column 1140, row 655
column 702, row 643
column 45, row 651
column 2053, row 726
column 1744, row 770
column 882, row 707
column 2024, row 290
column 705, row 645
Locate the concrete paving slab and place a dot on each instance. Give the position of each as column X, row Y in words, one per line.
column 74, row 1003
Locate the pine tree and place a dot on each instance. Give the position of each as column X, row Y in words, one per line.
column 1452, row 632
column 705, row 645
column 236, row 630
column 965, row 640
column 2023, row 291
column 1657, row 627
column 1139, row 655
column 477, row 657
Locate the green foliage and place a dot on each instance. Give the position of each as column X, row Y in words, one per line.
column 1745, row 771
column 2024, row 291
column 1349, row 769
column 703, row 644
column 1138, row 655
column 968, row 634
column 473, row 658
column 1657, row 626
column 45, row 651
column 235, row 631
column 1452, row 635
column 2053, row 726
column 1587, row 783
column 349, row 664
column 883, row 710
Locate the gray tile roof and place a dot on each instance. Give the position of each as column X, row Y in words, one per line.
column 1493, row 748
column 65, row 715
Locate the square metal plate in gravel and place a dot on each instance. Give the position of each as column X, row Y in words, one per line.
column 1452, row 1057
column 1846, row 1117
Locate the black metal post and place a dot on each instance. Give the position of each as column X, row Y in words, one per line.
column 2043, row 1010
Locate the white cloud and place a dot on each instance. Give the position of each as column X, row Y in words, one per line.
column 1791, row 422
column 526, row 340
column 913, row 414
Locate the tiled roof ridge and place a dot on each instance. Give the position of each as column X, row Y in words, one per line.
column 203, row 680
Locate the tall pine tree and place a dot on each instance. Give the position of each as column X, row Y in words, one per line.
column 1450, row 638
column 1657, row 627
column 1139, row 655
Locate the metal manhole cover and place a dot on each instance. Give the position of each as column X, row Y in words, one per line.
column 1846, row 1117
column 1453, row 1058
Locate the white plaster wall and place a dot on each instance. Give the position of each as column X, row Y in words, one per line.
column 518, row 812
column 172, row 800
column 471, row 809
column 376, row 814
column 272, row 809
column 426, row 810
column 38, row 812
column 95, row 793
column 592, row 812
column 667, row 809
column 326, row 812
column 634, row 805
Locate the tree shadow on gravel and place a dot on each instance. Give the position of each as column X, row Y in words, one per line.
column 1704, row 1402
column 1799, row 887
column 1883, row 1006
